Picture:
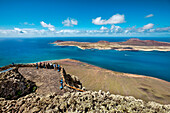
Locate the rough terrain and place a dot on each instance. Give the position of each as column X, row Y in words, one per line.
column 47, row 80
column 96, row 78
column 13, row 85
column 49, row 98
column 89, row 101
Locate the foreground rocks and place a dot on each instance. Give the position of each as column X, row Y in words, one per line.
column 13, row 85
column 89, row 101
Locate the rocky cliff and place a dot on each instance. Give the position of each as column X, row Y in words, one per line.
column 70, row 101
column 13, row 85
column 89, row 101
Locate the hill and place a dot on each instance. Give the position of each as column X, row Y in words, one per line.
column 132, row 44
column 96, row 78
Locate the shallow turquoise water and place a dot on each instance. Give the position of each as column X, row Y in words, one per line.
column 26, row 50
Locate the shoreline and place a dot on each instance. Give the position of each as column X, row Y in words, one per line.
column 97, row 67
column 126, row 84
column 96, row 78
column 149, row 50
column 133, row 44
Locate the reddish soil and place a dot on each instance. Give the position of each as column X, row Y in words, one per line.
column 138, row 42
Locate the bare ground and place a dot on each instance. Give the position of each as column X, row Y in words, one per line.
column 139, row 86
column 96, row 78
column 47, row 80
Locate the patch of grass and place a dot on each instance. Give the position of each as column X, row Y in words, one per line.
column 34, row 88
column 18, row 92
column 9, row 97
column 28, row 85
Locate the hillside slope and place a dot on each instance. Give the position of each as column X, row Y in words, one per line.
column 96, row 78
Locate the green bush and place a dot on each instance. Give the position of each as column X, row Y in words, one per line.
column 34, row 88
column 19, row 92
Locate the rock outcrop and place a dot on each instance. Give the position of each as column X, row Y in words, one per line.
column 89, row 101
column 16, row 65
column 71, row 80
column 138, row 42
column 13, row 85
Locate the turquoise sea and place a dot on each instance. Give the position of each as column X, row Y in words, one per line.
column 27, row 50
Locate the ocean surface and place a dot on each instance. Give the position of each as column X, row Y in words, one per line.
column 28, row 50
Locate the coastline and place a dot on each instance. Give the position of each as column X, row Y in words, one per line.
column 161, row 50
column 133, row 44
column 96, row 78
column 126, row 84
column 93, row 66
column 97, row 67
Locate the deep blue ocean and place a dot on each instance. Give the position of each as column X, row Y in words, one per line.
column 28, row 50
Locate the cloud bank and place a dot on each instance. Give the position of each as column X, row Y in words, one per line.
column 114, row 30
column 115, row 19
column 49, row 26
column 70, row 22
column 148, row 26
column 48, row 30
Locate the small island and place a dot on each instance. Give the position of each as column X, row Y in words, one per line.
column 133, row 44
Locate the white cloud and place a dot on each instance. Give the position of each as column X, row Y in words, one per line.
column 116, row 29
column 68, row 31
column 163, row 29
column 130, row 29
column 70, row 22
column 115, row 19
column 148, row 26
column 17, row 29
column 103, row 28
column 26, row 23
column 103, row 31
column 20, row 30
column 150, row 15
column 49, row 26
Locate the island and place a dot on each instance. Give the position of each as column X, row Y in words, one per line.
column 133, row 44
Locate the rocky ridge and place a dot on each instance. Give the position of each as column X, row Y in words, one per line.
column 133, row 44
column 138, row 42
column 89, row 101
column 72, row 100
column 13, row 85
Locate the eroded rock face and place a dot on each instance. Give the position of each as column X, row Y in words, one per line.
column 71, row 80
column 13, row 85
column 71, row 101
column 89, row 101
column 138, row 42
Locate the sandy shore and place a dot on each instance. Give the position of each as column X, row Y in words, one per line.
column 130, row 45
column 120, row 48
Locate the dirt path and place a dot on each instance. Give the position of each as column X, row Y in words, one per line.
column 47, row 80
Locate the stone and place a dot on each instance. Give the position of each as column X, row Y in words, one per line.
column 35, row 109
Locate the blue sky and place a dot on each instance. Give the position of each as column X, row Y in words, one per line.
column 48, row 18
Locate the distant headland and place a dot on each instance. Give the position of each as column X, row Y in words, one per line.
column 133, row 44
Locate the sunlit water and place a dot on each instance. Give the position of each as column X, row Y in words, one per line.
column 27, row 50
